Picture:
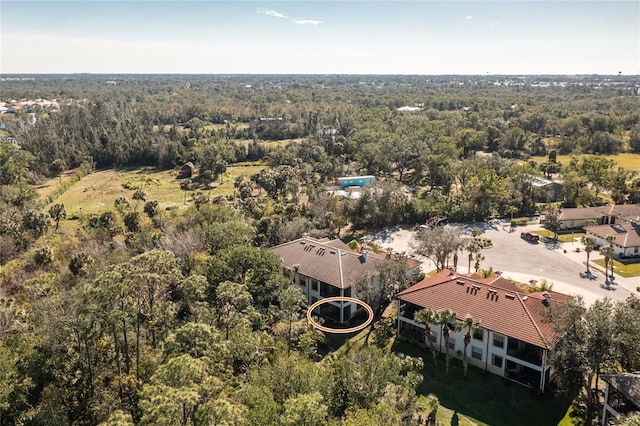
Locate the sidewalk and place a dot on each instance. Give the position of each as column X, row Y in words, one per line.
column 629, row 284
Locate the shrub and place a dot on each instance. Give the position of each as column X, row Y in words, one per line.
column 520, row 221
column 353, row 245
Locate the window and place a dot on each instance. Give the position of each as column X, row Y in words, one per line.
column 476, row 352
column 434, row 336
column 478, row 334
column 314, row 285
column 498, row 340
column 347, row 292
column 496, row 360
column 452, row 343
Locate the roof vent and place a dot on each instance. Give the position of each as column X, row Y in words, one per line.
column 460, row 282
column 510, row 296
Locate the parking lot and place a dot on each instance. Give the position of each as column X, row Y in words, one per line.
column 524, row 260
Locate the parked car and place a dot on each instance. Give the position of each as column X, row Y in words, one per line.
column 528, row 236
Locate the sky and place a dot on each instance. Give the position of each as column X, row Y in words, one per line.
column 320, row 37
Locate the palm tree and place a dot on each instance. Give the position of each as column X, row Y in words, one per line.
column 479, row 258
column 427, row 317
column 589, row 245
column 608, row 253
column 610, row 239
column 470, row 324
column 472, row 248
column 447, row 320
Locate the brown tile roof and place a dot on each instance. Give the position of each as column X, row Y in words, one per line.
column 331, row 262
column 585, row 213
column 626, row 233
column 498, row 304
column 627, row 384
column 412, row 262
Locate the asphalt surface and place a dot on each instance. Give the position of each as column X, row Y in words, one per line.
column 524, row 261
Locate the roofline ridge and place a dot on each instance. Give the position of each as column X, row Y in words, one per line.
column 340, row 270
column 403, row 292
column 544, row 340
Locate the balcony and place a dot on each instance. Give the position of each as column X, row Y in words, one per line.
column 524, row 351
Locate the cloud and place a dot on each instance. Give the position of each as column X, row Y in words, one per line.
column 494, row 24
column 307, row 22
column 271, row 12
column 468, row 17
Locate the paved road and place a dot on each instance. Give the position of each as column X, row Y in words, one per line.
column 524, row 261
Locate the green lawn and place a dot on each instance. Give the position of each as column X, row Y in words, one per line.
column 563, row 238
column 483, row 398
column 627, row 271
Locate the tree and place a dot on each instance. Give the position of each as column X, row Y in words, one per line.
column 233, row 303
column 438, row 243
column 589, row 245
column 185, row 185
column 552, row 219
column 470, row 324
column 132, row 221
column 448, row 323
column 57, row 167
column 57, row 212
column 305, row 409
column 291, row 301
column 151, row 208
column 43, row 256
column 121, row 204
column 38, row 222
column 140, row 194
column 474, row 250
column 428, row 317
column 587, row 347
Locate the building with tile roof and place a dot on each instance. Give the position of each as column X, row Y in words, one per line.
column 576, row 218
column 626, row 237
column 512, row 339
column 329, row 268
column 622, row 395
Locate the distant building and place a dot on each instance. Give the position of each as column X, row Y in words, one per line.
column 577, row 218
column 626, row 237
column 327, row 133
column 546, row 190
column 188, row 170
column 360, row 181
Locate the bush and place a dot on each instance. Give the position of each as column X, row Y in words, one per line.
column 520, row 221
column 353, row 245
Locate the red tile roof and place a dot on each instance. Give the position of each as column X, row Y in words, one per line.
column 331, row 262
column 498, row 304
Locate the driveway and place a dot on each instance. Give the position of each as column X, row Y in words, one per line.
column 524, row 261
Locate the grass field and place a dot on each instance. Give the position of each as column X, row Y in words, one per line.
column 562, row 238
column 627, row 271
column 483, row 398
column 269, row 144
column 98, row 191
column 626, row 160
